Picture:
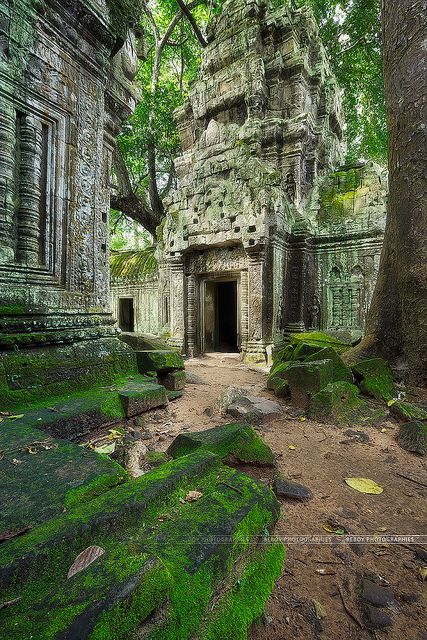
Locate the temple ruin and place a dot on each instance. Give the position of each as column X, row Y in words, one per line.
column 267, row 232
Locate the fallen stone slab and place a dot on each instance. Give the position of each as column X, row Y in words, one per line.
column 377, row 619
column 145, row 342
column 377, row 595
column 41, row 476
column 254, row 410
column 408, row 411
column 320, row 340
column 307, row 378
column 138, row 398
column 157, row 547
column 159, row 360
column 285, row 488
column 236, row 441
column 340, row 371
column 340, row 402
column 412, row 437
column 375, row 378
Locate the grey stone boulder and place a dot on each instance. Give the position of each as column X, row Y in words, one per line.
column 254, row 410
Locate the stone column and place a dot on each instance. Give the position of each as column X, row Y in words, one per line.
column 191, row 315
column 7, row 181
column 177, row 303
column 244, row 310
column 297, row 281
column 256, row 346
column 30, row 190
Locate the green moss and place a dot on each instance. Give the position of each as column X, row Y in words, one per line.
column 239, row 606
column 113, row 407
column 99, row 485
column 159, row 360
column 320, row 340
column 375, row 378
column 155, row 458
column 413, row 437
column 340, row 403
column 12, row 310
column 408, row 411
column 340, row 370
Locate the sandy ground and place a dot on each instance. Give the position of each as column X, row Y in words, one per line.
column 320, row 458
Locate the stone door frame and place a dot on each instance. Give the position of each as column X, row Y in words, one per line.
column 230, row 276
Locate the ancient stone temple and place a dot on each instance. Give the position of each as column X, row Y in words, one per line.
column 266, row 233
column 66, row 73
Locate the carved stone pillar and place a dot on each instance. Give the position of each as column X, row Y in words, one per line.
column 191, row 315
column 298, row 280
column 7, row 181
column 30, row 190
column 177, row 304
column 255, row 343
column 244, row 310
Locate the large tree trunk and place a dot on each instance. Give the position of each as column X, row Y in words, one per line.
column 397, row 320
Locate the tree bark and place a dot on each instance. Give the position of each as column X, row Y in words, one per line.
column 397, row 320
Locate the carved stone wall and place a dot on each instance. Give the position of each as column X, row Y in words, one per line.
column 261, row 134
column 65, row 86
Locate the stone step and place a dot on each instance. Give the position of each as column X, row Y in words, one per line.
column 167, row 552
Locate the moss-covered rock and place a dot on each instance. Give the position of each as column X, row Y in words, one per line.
column 159, row 361
column 238, row 441
column 341, row 372
column 375, row 378
column 173, row 380
column 137, row 398
column 413, row 437
column 165, row 560
column 408, row 411
column 320, row 340
column 340, row 403
column 307, row 378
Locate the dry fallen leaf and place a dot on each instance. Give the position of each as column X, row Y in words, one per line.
column 423, row 573
column 364, row 485
column 114, row 434
column 292, row 447
column 84, row 559
column 320, row 610
column 193, row 496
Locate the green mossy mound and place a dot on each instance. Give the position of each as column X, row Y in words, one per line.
column 375, row 378
column 413, row 437
column 307, row 378
column 174, row 567
column 238, row 441
column 160, row 361
column 320, row 340
column 340, row 402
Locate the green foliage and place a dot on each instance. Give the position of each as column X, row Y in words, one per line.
column 351, row 32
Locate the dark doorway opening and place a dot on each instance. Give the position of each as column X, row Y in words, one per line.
column 221, row 317
column 126, row 315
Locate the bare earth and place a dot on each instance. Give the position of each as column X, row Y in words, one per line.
column 322, row 458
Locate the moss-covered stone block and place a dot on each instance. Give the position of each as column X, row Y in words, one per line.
column 238, row 441
column 413, row 437
column 408, row 411
column 341, row 372
column 340, row 403
column 173, row 380
column 307, row 378
column 139, row 398
column 375, row 378
column 41, row 476
column 165, row 560
column 145, row 342
column 320, row 340
column 277, row 381
column 159, row 360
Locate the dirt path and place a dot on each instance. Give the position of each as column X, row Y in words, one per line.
column 320, row 458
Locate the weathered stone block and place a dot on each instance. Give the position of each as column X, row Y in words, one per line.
column 408, row 411
column 413, row 437
column 151, row 561
column 173, row 380
column 159, row 360
column 238, row 441
column 254, row 410
column 307, row 378
column 375, row 378
column 340, row 402
column 320, row 340
column 340, row 370
column 137, row 399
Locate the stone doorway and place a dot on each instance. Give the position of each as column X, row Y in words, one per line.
column 221, row 317
column 126, row 315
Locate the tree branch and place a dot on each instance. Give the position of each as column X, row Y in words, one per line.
column 187, row 13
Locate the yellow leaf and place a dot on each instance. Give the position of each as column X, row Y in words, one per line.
column 292, row 447
column 423, row 573
column 18, row 417
column 390, row 403
column 364, row 485
column 303, row 419
column 31, row 449
column 320, row 610
column 383, row 430
column 114, row 434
